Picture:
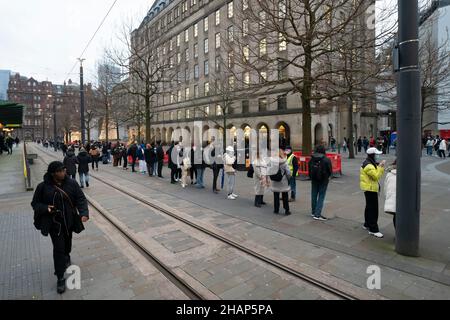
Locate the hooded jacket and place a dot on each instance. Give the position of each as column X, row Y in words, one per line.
column 70, row 162
column 68, row 220
column 370, row 175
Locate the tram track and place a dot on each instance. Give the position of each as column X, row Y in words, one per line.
column 336, row 288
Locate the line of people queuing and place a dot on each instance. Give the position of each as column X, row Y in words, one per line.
column 437, row 145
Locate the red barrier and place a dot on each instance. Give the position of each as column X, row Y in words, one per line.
column 303, row 163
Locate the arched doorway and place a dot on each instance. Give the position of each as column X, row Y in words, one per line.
column 318, row 134
column 158, row 134
column 285, row 134
column 263, row 135
column 164, row 136
column 169, row 137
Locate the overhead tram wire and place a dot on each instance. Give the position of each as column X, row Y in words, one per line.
column 95, row 33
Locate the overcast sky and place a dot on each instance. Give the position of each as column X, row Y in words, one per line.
column 43, row 38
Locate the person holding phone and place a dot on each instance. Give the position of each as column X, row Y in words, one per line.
column 60, row 208
column 370, row 175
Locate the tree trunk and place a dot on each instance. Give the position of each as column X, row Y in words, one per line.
column 117, row 131
column 107, row 122
column 147, row 119
column 351, row 146
column 88, row 130
column 306, row 101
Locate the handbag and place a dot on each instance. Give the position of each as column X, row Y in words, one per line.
column 250, row 172
column 78, row 226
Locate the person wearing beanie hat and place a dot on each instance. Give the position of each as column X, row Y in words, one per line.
column 60, row 208
column 370, row 175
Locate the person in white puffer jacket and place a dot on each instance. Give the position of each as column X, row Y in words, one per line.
column 390, row 190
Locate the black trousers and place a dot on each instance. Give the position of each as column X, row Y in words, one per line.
column 173, row 174
column 62, row 246
column 193, row 172
column 371, row 212
column 133, row 164
column 276, row 201
column 150, row 169
column 160, row 167
column 259, row 200
column 95, row 161
column 216, row 172
column 125, row 162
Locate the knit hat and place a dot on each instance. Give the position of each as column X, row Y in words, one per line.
column 55, row 167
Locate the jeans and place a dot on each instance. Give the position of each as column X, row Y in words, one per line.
column 200, row 175
column 155, row 168
column 371, row 212
column 293, row 184
column 276, row 201
column 62, row 246
column 84, row 177
column 318, row 193
column 430, row 150
column 231, row 178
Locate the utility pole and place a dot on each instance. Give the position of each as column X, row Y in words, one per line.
column 409, row 129
column 54, row 124
column 83, row 124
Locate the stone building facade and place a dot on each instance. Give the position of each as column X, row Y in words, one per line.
column 190, row 33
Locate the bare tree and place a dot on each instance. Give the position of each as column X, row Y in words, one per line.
column 145, row 62
column 302, row 40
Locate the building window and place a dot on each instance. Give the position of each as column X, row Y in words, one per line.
column 196, row 91
column 244, row 4
column 206, row 88
column 282, row 46
column 230, row 9
column 282, row 69
column 244, row 27
column 245, row 106
column 246, row 78
column 246, row 53
column 172, row 98
column 196, row 30
column 171, row 44
column 218, row 110
column 186, row 53
column 196, row 50
column 231, row 82
column 206, row 67
column 178, row 57
column 193, row 3
column 178, row 40
column 217, row 40
column 196, row 73
column 206, row 46
column 184, row 7
column 205, row 24
column 217, row 17
column 206, row 111
column 187, row 93
column 186, row 75
column 217, row 65
column 263, row 47
column 282, row 9
column 262, row 19
column 282, row 102
column 230, row 32
column 186, row 35
column 262, row 103
column 230, row 59
column 179, row 114
column 171, row 115
column 263, row 76
column 188, row 114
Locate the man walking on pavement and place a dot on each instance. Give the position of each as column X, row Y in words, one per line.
column 60, row 208
column 320, row 171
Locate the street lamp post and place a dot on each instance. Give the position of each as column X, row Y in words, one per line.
column 54, row 125
column 82, row 124
column 409, row 130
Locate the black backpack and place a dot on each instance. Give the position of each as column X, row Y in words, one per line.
column 277, row 177
column 317, row 169
column 250, row 172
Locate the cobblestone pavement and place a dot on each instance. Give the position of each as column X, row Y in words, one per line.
column 339, row 247
column 110, row 268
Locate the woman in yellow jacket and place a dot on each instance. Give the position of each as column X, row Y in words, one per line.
column 370, row 175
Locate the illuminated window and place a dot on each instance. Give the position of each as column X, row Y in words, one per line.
column 217, row 17
column 230, row 9
column 263, row 47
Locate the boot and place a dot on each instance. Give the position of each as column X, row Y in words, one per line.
column 61, row 285
column 258, row 201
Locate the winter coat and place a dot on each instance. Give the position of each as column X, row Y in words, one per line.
column 172, row 165
column 140, row 154
column 70, row 162
column 326, row 162
column 132, row 151
column 260, row 178
column 150, row 156
column 46, row 194
column 370, row 175
column 94, row 153
column 390, row 192
column 229, row 160
column 160, row 154
column 83, row 162
column 272, row 169
column 443, row 145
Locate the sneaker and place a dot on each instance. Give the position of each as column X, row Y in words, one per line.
column 320, row 218
column 61, row 286
column 183, row 186
column 235, row 195
column 376, row 234
column 230, row 197
column 312, row 215
column 288, row 213
column 365, row 228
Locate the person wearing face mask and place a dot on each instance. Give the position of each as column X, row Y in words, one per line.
column 370, row 174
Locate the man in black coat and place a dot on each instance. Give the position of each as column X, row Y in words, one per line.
column 55, row 204
column 150, row 159
column 70, row 162
column 132, row 151
column 83, row 160
column 160, row 158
